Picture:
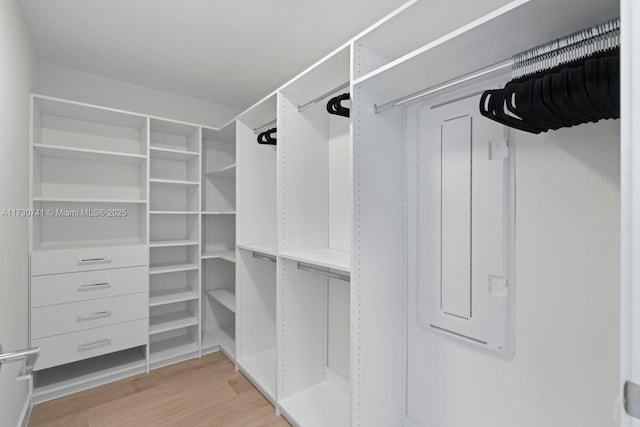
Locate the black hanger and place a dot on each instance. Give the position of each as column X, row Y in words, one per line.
column 266, row 137
column 334, row 106
column 492, row 106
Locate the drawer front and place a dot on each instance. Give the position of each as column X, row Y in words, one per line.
column 81, row 345
column 77, row 316
column 72, row 287
column 72, row 260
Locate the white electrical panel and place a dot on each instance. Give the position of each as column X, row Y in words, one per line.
column 464, row 226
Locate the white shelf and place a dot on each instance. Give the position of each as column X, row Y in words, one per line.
column 263, row 248
column 171, row 267
column 321, row 405
column 170, row 322
column 62, row 380
column 225, row 297
column 225, row 255
column 171, row 296
column 219, row 213
column 87, row 154
column 85, row 200
column 402, row 76
column 169, row 243
column 329, row 258
column 172, row 154
column 223, row 336
column 261, row 369
column 173, row 213
column 171, row 348
column 173, row 182
column 226, row 172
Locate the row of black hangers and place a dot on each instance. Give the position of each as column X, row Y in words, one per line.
column 584, row 90
column 267, row 137
column 334, row 106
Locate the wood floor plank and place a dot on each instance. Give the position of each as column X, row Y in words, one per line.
column 200, row 392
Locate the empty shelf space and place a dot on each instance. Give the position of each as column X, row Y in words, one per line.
column 171, row 348
column 261, row 369
column 169, row 243
column 172, row 154
column 86, row 154
column 170, row 322
column 225, row 255
column 225, row 297
column 263, row 248
column 223, row 336
column 60, row 380
column 329, row 258
column 171, row 296
column 170, row 267
column 323, row 404
column 226, row 172
column 175, row 182
column 86, row 200
column 219, row 213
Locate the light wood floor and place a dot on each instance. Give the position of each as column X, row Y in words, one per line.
column 200, row 392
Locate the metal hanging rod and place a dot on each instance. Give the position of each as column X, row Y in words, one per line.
column 303, row 107
column 263, row 257
column 265, row 126
column 28, row 358
column 325, row 272
column 500, row 66
column 580, row 44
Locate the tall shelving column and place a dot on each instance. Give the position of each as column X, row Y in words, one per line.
column 88, row 237
column 257, row 248
column 218, row 254
column 174, row 244
column 314, row 207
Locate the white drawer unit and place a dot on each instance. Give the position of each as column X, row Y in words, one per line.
column 77, row 316
column 66, row 348
column 73, row 287
column 86, row 259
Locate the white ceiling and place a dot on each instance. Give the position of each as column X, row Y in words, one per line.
column 230, row 52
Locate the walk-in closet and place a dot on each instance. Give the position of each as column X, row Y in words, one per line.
column 416, row 213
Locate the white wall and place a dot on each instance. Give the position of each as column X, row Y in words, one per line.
column 62, row 82
column 17, row 66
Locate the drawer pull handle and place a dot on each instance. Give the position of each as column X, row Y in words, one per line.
column 95, row 315
column 90, row 345
column 94, row 286
column 82, row 261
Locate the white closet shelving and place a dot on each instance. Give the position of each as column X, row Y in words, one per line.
column 464, row 384
column 174, row 244
column 88, row 180
column 257, row 248
column 218, row 255
column 314, row 191
column 93, row 159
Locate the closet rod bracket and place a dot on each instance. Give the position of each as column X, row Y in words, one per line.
column 632, row 399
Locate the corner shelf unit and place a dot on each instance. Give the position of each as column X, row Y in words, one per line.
column 174, row 244
column 218, row 240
